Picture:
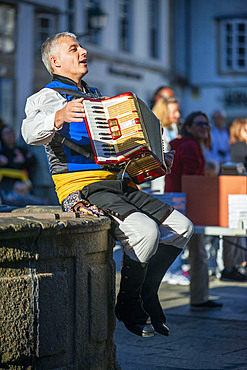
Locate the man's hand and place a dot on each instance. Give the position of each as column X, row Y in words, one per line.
column 73, row 111
column 85, row 207
column 169, row 156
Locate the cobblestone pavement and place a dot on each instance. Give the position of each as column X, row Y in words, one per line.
column 215, row 339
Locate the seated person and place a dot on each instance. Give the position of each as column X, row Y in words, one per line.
column 152, row 233
column 16, row 167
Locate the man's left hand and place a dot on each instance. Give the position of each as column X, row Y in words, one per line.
column 90, row 209
column 169, row 157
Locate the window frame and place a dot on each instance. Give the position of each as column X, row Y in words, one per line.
column 6, row 31
column 230, row 45
column 38, row 29
column 154, row 28
column 125, row 30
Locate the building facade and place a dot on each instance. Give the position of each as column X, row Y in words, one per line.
column 132, row 53
column 210, row 56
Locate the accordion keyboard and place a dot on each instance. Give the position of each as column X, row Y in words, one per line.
column 99, row 130
column 115, row 129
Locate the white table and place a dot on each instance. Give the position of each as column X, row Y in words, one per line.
column 220, row 232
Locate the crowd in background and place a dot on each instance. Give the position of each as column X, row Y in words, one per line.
column 17, row 168
column 203, row 147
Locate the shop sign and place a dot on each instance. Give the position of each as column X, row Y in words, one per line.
column 124, row 72
column 235, row 98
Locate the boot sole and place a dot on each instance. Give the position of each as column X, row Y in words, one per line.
column 148, row 335
column 138, row 331
column 141, row 333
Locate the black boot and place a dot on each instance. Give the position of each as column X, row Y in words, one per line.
column 129, row 304
column 158, row 265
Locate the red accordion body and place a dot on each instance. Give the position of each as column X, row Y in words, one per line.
column 124, row 131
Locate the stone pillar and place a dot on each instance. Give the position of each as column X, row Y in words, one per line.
column 57, row 291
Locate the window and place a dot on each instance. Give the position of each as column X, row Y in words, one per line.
column 7, row 27
column 154, row 27
column 94, row 32
column 7, row 96
column 125, row 30
column 234, row 45
column 45, row 27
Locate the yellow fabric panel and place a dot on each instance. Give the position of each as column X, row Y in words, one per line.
column 67, row 183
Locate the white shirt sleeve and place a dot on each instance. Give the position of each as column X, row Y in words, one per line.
column 38, row 127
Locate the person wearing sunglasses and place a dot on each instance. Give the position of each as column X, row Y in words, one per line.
column 189, row 160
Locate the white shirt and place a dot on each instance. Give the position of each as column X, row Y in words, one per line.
column 220, row 144
column 38, row 127
column 169, row 135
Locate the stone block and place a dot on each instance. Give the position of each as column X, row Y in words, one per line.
column 57, row 291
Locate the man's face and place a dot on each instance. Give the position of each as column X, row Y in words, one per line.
column 71, row 59
column 219, row 120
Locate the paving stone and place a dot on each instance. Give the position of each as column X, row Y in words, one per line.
column 215, row 339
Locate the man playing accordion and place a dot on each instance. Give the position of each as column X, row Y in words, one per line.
column 151, row 232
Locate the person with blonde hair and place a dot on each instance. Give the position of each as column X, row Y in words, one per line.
column 238, row 141
column 167, row 111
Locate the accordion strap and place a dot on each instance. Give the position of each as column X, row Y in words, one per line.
column 75, row 93
column 80, row 150
column 62, row 139
column 70, row 144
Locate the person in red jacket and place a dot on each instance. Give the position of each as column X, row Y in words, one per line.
column 189, row 160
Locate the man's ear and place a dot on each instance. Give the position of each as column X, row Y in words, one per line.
column 55, row 62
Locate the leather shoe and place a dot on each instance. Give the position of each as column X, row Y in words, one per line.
column 144, row 331
column 135, row 320
column 160, row 327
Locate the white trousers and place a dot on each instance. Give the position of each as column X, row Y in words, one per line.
column 140, row 235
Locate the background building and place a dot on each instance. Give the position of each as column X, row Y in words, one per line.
column 132, row 52
column 210, row 55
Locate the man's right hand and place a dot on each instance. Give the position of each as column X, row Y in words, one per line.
column 73, row 111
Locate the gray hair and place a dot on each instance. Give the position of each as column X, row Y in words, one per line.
column 50, row 48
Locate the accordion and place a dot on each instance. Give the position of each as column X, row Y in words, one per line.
column 125, row 132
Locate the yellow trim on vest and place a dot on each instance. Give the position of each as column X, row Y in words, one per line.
column 69, row 182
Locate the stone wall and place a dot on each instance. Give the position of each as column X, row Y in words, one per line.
column 57, row 291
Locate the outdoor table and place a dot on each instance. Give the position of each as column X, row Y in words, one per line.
column 220, row 232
